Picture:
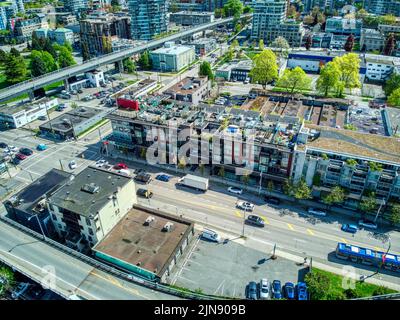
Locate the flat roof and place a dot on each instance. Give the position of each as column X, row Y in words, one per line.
column 145, row 246
column 23, row 105
column 78, row 195
column 356, row 144
column 173, row 50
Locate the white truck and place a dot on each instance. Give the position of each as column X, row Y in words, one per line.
column 195, row 182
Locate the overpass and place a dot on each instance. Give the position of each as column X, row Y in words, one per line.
column 65, row 73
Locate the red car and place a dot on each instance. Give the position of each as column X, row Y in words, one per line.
column 20, row 156
column 120, row 166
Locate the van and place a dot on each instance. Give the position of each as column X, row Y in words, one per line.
column 317, row 212
column 211, row 235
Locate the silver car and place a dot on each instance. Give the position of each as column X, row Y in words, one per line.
column 264, row 289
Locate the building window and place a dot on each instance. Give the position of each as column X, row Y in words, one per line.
column 54, row 217
column 90, row 231
column 88, row 221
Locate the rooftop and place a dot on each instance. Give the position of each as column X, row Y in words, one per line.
column 356, row 144
column 145, row 245
column 89, row 191
column 16, row 108
column 191, row 13
column 187, row 85
column 173, row 50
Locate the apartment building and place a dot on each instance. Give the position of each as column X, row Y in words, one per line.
column 172, row 57
column 86, row 209
column 379, row 67
column 59, row 35
column 190, row 89
column 190, row 18
column 371, row 40
column 382, row 7
column 76, row 6
column 343, row 26
column 24, row 28
column 267, row 14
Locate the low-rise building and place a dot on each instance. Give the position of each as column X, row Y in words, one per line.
column 172, row 57
column 380, row 67
column 371, row 40
column 12, row 117
column 60, row 35
column 319, row 39
column 87, row 208
column 191, row 90
column 24, row 28
column 235, row 70
column 94, row 78
column 204, row 46
column 147, row 243
column 190, row 18
column 343, row 26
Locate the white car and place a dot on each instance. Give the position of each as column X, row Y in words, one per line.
column 72, row 165
column 264, row 289
column 101, row 162
column 235, row 190
column 317, row 212
column 368, row 224
column 246, row 206
column 12, row 149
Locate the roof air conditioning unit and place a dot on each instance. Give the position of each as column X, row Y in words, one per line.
column 149, row 220
column 167, row 227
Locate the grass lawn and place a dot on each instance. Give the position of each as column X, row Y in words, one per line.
column 362, row 289
column 21, row 97
column 54, row 85
column 279, row 89
column 130, row 82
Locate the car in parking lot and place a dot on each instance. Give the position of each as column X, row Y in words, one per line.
column 101, row 162
column 144, row 193
column 3, row 145
column 163, row 177
column 276, row 289
column 255, row 220
column 15, row 161
column 252, row 291
column 264, row 289
column 42, row 118
column 120, row 166
column 12, row 149
column 317, row 212
column 41, row 147
column 244, row 205
column 235, row 190
column 72, row 164
column 302, row 293
column 20, row 156
column 211, row 235
column 26, row 151
column 367, row 224
column 289, row 290
column 143, row 177
column 352, row 228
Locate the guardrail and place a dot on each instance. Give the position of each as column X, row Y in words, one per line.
column 104, row 267
column 390, row 296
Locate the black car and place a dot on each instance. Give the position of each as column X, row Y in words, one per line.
column 252, row 291
column 26, row 151
column 255, row 220
column 80, row 91
column 16, row 161
column 3, row 145
column 144, row 193
column 143, row 177
column 272, row 200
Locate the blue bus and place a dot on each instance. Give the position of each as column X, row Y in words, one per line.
column 368, row 256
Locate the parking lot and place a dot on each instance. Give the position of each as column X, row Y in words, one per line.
column 226, row 268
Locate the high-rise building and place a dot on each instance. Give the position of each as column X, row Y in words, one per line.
column 324, row 5
column 382, row 7
column 75, row 6
column 148, row 18
column 8, row 10
column 267, row 13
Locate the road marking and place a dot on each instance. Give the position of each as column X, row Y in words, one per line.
column 265, row 219
column 238, row 214
column 290, row 226
column 344, row 240
column 310, row 232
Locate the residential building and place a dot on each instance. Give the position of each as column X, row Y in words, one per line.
column 324, row 5
column 65, row 18
column 338, row 41
column 190, row 89
column 72, row 123
column 291, row 30
column 29, row 206
column 319, row 39
column 87, row 208
column 204, row 46
column 24, row 28
column 357, row 162
column 343, row 26
column 380, row 67
column 12, row 117
column 198, row 5
column 149, row 18
column 99, row 29
column 147, row 243
column 388, row 28
column 190, row 18
column 172, row 57
column 371, row 40
column 76, row 6
column 59, row 35
column 235, row 70
column 382, row 7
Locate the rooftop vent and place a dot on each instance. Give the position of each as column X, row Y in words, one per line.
column 91, row 188
column 149, row 220
column 167, row 227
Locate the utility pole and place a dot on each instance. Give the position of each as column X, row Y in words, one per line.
column 244, row 220
column 379, row 210
column 62, row 169
column 259, row 189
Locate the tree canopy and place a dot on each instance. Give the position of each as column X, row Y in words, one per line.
column 265, row 68
column 294, row 80
column 328, row 79
column 205, row 70
column 394, row 98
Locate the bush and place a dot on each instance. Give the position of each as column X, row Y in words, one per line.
column 380, row 291
column 351, row 293
column 318, row 285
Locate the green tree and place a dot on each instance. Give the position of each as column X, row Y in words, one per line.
column 302, row 191
column 394, row 215
column 233, row 8
column 37, row 65
column 389, row 19
column 182, row 163
column 349, row 66
column 65, row 58
column 336, row 196
column 245, row 179
column 6, row 279
column 14, row 52
column 318, row 285
column 129, row 65
column 368, row 204
column 392, row 84
column 280, row 43
column 394, row 98
column 205, row 70
column 270, row 186
column 294, row 80
column 3, row 56
column 234, row 45
column 145, row 61
column 247, row 9
column 265, row 68
column 15, row 69
column 261, row 45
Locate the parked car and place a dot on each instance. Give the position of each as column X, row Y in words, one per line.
column 20, row 156
column 12, row 149
column 367, row 224
column 235, row 190
column 352, row 228
column 244, row 205
column 264, row 289
column 20, row 289
column 120, row 165
column 317, row 212
column 144, row 193
column 276, row 289
column 15, row 161
column 80, row 91
column 211, row 235
column 26, row 151
column 252, row 291
column 289, row 290
column 41, row 147
column 272, row 200
column 163, row 177
column 3, row 145
column 72, row 165
column 42, row 118
column 101, row 162
column 143, row 177
column 302, row 293
column 255, row 220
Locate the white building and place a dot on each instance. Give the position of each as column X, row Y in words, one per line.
column 172, row 57
column 380, row 67
column 22, row 114
column 85, row 210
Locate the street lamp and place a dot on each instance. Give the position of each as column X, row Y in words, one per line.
column 40, row 225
